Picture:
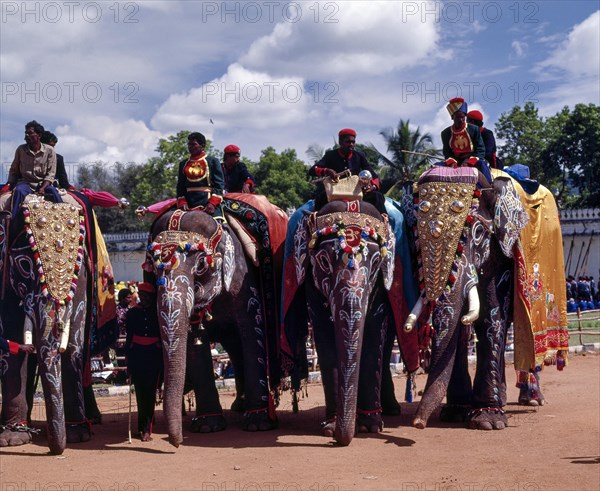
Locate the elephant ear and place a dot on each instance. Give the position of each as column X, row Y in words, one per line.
column 301, row 239
column 510, row 216
column 228, row 266
column 387, row 261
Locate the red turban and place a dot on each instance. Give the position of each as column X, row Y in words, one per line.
column 476, row 115
column 347, row 131
column 231, row 149
column 146, row 287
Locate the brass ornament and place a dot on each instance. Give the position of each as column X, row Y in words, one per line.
column 57, row 265
column 348, row 218
column 440, row 228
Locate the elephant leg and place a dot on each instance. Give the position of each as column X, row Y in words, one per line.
column 443, row 356
column 30, row 388
column 389, row 403
column 209, row 413
column 255, row 377
column 460, row 390
column 489, row 387
column 77, row 426
column 14, row 405
column 92, row 411
column 530, row 392
column 236, row 355
column 327, row 354
column 369, row 382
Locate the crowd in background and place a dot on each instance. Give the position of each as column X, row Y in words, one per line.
column 583, row 293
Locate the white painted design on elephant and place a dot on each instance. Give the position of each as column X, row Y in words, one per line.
column 228, row 261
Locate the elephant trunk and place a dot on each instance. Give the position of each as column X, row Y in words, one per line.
column 174, row 375
column 442, row 363
column 49, row 362
column 174, row 322
column 349, row 326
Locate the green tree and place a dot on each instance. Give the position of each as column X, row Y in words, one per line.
column 402, row 166
column 119, row 180
column 523, row 132
column 573, row 145
column 282, row 178
column 562, row 151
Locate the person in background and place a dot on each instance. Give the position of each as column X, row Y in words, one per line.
column 476, row 118
column 237, row 177
column 144, row 356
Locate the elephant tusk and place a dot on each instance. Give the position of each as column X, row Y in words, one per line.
column 411, row 322
column 473, row 314
column 64, row 335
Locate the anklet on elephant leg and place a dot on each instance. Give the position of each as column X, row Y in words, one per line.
column 370, row 412
column 19, row 427
column 74, row 424
column 476, row 412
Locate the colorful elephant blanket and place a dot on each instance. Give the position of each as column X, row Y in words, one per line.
column 540, row 303
column 402, row 295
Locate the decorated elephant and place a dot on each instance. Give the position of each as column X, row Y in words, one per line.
column 468, row 232
column 340, row 271
column 209, row 289
column 44, row 285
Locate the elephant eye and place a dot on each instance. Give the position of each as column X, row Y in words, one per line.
column 201, row 266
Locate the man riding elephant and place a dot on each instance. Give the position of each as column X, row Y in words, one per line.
column 462, row 142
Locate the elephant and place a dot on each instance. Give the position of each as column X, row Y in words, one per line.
column 341, row 267
column 209, row 290
column 45, row 271
column 467, row 234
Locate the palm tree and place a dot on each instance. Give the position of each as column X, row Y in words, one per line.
column 404, row 166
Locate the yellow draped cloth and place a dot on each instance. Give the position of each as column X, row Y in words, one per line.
column 105, row 286
column 540, row 299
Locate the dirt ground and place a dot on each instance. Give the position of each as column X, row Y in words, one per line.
column 555, row 447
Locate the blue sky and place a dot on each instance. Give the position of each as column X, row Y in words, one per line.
column 111, row 78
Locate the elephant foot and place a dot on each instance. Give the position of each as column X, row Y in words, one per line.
column 258, row 420
column 369, row 422
column 78, row 432
column 14, row 435
column 533, row 400
column 454, row 413
column 237, row 406
column 208, row 424
column 328, row 427
column 488, row 418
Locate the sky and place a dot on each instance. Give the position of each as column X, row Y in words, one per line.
column 111, row 78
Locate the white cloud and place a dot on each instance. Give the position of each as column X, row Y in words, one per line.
column 519, row 48
column 104, row 139
column 367, row 37
column 579, row 54
column 576, row 65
